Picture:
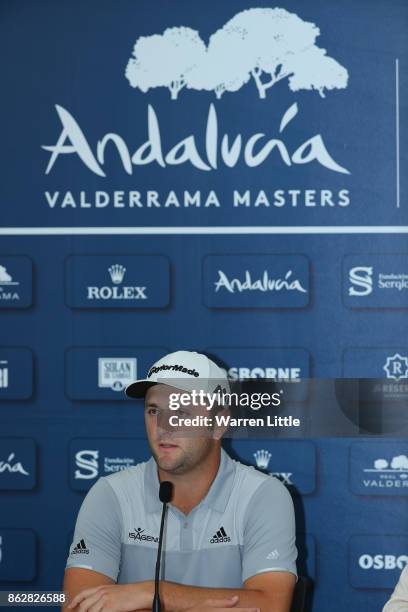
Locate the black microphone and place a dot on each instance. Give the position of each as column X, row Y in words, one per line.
column 165, row 495
column 166, row 492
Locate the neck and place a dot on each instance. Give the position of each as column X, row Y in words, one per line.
column 190, row 488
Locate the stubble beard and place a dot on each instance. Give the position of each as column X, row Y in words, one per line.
column 184, row 464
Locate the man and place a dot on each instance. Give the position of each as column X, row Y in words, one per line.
column 230, row 531
column 398, row 601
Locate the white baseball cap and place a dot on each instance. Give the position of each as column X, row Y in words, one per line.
column 186, row 370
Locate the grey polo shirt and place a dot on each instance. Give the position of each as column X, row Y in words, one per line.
column 244, row 526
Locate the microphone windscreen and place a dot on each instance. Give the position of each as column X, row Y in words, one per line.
column 166, row 491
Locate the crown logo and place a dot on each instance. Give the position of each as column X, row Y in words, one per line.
column 117, row 272
column 262, row 458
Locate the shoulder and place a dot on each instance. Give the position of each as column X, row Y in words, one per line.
column 399, row 597
column 125, row 481
column 116, row 489
column 251, row 481
column 129, row 475
column 403, row 581
column 257, row 496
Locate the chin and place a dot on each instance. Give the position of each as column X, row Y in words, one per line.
column 172, row 466
column 167, row 463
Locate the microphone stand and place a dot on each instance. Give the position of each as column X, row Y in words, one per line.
column 165, row 494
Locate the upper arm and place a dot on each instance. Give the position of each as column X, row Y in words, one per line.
column 277, row 587
column 269, row 532
column 96, row 547
column 76, row 579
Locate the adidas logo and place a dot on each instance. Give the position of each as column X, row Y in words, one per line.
column 273, row 555
column 220, row 536
column 80, row 548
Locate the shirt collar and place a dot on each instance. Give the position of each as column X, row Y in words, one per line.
column 216, row 498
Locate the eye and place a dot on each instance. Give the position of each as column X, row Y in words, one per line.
column 152, row 411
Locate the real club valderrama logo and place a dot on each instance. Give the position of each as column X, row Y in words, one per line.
column 380, row 472
column 260, row 47
column 387, row 473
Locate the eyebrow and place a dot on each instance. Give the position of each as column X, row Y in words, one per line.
column 154, row 405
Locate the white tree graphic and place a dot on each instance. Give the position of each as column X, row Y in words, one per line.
column 267, row 44
column 268, row 36
column 281, row 45
column 222, row 68
column 313, row 69
column 165, row 60
column 400, row 462
column 380, row 464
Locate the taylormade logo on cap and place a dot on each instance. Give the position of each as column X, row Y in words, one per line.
column 186, row 370
column 176, row 368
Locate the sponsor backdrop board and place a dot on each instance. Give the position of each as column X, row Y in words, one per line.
column 229, row 180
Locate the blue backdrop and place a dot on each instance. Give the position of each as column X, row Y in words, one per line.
column 228, row 178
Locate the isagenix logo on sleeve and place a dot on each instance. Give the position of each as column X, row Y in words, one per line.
column 139, row 535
